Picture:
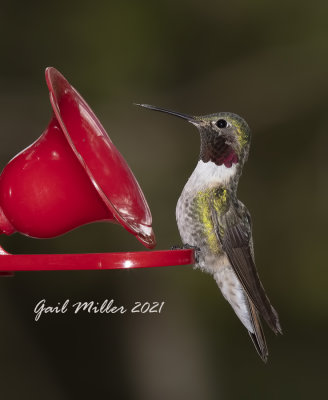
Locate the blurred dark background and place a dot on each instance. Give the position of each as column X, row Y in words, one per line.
column 266, row 61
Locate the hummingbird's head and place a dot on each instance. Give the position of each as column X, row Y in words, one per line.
column 225, row 137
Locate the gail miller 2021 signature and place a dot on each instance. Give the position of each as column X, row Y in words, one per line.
column 96, row 307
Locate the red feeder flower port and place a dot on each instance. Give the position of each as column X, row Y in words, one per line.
column 73, row 175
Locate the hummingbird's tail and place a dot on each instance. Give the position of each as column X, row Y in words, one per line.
column 257, row 336
column 243, row 306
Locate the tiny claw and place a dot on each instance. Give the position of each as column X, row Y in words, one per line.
column 187, row 246
column 176, row 247
column 196, row 250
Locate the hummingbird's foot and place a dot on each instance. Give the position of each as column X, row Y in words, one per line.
column 176, row 248
column 187, row 246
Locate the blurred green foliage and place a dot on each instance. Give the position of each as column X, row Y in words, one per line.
column 267, row 61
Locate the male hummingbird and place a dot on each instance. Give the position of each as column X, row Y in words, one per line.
column 212, row 220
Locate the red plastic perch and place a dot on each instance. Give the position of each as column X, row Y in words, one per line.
column 93, row 261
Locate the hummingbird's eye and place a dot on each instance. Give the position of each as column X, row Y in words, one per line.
column 221, row 123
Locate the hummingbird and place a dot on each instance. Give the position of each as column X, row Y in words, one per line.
column 218, row 226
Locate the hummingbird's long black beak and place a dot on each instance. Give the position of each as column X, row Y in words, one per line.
column 189, row 118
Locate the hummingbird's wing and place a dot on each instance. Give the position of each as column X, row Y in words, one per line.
column 233, row 230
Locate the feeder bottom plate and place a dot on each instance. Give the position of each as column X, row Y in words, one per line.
column 89, row 261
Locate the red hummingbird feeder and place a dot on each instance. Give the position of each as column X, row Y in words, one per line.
column 73, row 175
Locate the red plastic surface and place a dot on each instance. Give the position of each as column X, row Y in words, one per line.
column 71, row 175
column 103, row 163
column 50, row 262
column 45, row 192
